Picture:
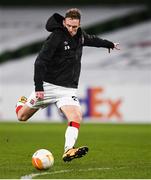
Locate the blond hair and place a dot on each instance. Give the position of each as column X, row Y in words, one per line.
column 73, row 13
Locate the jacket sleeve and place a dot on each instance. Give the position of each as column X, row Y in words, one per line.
column 94, row 41
column 44, row 59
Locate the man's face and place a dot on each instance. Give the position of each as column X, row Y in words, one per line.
column 72, row 25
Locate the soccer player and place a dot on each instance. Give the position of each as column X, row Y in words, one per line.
column 56, row 75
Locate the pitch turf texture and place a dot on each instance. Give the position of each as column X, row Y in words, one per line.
column 115, row 151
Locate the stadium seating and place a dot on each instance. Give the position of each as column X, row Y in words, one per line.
column 21, row 26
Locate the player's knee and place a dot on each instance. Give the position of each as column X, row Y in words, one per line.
column 22, row 117
column 77, row 117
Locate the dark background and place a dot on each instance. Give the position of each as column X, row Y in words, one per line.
column 69, row 2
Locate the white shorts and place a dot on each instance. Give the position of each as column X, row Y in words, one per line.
column 54, row 94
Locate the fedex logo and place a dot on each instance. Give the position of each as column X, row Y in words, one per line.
column 100, row 107
column 95, row 105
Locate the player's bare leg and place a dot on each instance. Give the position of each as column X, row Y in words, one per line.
column 72, row 113
column 74, row 116
column 24, row 112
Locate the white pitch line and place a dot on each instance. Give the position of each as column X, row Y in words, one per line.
column 30, row 176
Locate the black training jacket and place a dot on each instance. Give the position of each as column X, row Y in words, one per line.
column 59, row 60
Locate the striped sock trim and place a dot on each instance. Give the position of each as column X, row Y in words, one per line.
column 74, row 124
column 18, row 108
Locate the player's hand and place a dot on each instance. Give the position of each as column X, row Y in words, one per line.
column 39, row 95
column 116, row 46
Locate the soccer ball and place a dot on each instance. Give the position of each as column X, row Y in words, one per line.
column 42, row 159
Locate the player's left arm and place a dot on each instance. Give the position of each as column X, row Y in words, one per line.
column 94, row 41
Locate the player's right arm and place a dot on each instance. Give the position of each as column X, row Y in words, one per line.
column 44, row 60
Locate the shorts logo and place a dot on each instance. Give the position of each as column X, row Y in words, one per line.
column 74, row 98
column 32, row 101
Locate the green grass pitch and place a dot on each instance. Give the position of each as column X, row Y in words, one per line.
column 116, row 151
